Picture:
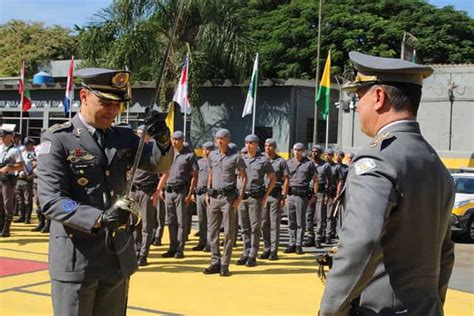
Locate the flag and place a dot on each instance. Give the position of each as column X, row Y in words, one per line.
column 324, row 94
column 252, row 94
column 170, row 117
column 181, row 93
column 69, row 88
column 23, row 91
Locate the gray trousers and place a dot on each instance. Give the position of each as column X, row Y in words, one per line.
column 143, row 234
column 330, row 219
column 24, row 197
column 271, row 219
column 177, row 214
column 297, row 218
column 250, row 211
column 222, row 212
column 88, row 298
column 201, row 207
column 7, row 198
column 160, row 220
column 320, row 218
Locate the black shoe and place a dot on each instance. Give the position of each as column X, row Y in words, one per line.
column 156, row 243
column 169, row 254
column 5, row 234
column 264, row 255
column 45, row 230
column 37, row 228
column 142, row 261
column 242, row 261
column 179, row 255
column 318, row 245
column 207, row 248
column 299, row 250
column 27, row 221
column 251, row 262
column 199, row 248
column 309, row 243
column 224, row 271
column 19, row 220
column 273, row 256
column 196, row 234
column 212, row 269
column 290, row 249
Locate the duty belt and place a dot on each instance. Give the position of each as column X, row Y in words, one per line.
column 299, row 191
column 225, row 191
column 174, row 187
column 256, row 194
column 201, row 190
column 276, row 191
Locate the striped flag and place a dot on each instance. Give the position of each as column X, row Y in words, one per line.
column 181, row 93
column 69, row 88
column 252, row 94
column 169, row 120
column 323, row 99
column 23, row 91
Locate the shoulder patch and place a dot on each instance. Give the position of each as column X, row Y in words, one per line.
column 69, row 206
column 377, row 140
column 364, row 165
column 43, row 148
column 59, row 127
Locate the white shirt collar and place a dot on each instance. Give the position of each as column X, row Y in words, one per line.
column 89, row 127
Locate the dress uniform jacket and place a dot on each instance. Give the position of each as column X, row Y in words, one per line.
column 395, row 248
column 77, row 180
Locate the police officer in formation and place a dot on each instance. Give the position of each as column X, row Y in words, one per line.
column 223, row 199
column 343, row 171
column 271, row 213
column 301, row 171
column 396, row 254
column 178, row 185
column 330, row 195
column 255, row 198
column 24, row 185
column 82, row 172
column 43, row 222
column 11, row 161
column 317, row 203
column 200, row 198
column 160, row 220
column 144, row 186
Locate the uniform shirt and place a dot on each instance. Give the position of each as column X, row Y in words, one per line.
column 257, row 168
column 335, row 174
column 10, row 153
column 184, row 163
column 281, row 170
column 301, row 172
column 223, row 168
column 28, row 158
column 203, row 172
column 343, row 171
column 324, row 172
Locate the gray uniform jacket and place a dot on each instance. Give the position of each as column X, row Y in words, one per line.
column 77, row 180
column 395, row 249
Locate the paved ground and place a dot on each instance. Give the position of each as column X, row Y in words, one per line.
column 463, row 273
column 177, row 287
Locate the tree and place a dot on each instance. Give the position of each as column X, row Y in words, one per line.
column 34, row 43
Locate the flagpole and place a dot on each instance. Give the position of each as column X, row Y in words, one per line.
column 316, row 112
column 327, row 126
column 72, row 87
column 185, row 119
column 254, row 111
column 22, row 75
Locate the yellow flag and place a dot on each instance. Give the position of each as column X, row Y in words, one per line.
column 170, row 117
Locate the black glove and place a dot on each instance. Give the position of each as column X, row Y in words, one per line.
column 114, row 217
column 157, row 128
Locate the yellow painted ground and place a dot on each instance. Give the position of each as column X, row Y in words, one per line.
column 170, row 286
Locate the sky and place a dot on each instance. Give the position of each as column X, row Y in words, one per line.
column 67, row 13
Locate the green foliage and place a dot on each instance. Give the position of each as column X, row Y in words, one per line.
column 34, row 43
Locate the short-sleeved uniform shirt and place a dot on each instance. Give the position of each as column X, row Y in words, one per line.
column 28, row 158
column 203, row 172
column 323, row 170
column 300, row 173
column 223, row 168
column 281, row 170
column 343, row 172
column 10, row 153
column 335, row 173
column 257, row 168
column 184, row 163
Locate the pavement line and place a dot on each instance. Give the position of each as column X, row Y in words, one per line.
column 24, row 251
column 24, row 286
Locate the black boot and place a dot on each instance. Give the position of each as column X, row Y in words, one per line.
column 6, row 226
column 46, row 226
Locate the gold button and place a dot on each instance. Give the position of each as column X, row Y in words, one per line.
column 107, row 173
column 112, row 193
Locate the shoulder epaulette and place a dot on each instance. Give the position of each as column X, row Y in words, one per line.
column 379, row 139
column 59, row 127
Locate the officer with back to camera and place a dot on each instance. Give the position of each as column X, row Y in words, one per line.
column 395, row 255
column 82, row 172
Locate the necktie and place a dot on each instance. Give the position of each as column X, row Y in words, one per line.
column 100, row 137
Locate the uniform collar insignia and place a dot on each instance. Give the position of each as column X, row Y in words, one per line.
column 377, row 140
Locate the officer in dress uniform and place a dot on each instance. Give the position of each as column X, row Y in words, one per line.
column 223, row 199
column 10, row 162
column 178, row 183
column 144, row 186
column 395, row 255
column 255, row 198
column 24, row 184
column 301, row 171
column 82, row 171
column 200, row 197
column 316, row 205
column 271, row 215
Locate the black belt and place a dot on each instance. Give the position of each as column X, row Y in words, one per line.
column 256, row 194
column 174, row 187
column 226, row 191
column 276, row 191
column 201, row 190
column 299, row 191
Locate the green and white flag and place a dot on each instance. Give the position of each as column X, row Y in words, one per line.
column 252, row 94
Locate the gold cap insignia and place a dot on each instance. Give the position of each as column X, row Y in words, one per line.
column 120, row 80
